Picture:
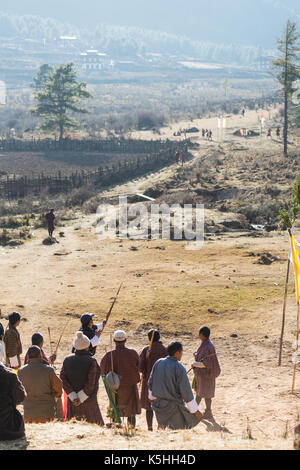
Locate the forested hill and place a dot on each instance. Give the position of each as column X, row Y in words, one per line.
column 129, row 40
column 243, row 22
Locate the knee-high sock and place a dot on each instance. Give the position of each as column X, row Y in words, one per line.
column 131, row 420
column 208, row 403
column 149, row 418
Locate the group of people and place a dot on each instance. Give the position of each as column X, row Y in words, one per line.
column 269, row 132
column 207, row 134
column 180, row 157
column 153, row 380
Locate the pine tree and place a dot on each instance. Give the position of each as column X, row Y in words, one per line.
column 59, row 95
column 41, row 77
column 287, row 71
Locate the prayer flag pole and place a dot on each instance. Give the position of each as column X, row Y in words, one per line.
column 296, row 265
column 297, row 345
column 284, row 311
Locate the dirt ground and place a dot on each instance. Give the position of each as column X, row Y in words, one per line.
column 220, row 286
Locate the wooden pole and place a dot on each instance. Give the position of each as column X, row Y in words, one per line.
column 58, row 344
column 284, row 311
column 50, row 341
column 297, row 342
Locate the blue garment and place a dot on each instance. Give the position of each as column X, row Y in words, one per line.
column 170, row 386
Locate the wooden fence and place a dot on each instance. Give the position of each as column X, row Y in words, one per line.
column 13, row 187
column 126, row 146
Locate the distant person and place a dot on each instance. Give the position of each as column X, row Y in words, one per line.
column 177, row 157
column 203, row 133
column 12, row 393
column 206, row 133
column 210, row 135
column 12, row 341
column 42, row 387
column 50, row 217
column 171, row 394
column 269, row 134
column 38, row 340
column 243, row 112
column 182, row 158
column 278, row 132
column 147, row 361
column 206, row 377
column 91, row 330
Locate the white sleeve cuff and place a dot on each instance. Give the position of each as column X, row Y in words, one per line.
column 72, row 396
column 192, row 406
column 82, row 396
column 95, row 341
column 100, row 327
column 150, row 396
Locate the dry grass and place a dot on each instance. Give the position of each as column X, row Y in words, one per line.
column 80, row 436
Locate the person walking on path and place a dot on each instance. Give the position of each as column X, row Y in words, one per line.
column 50, row 217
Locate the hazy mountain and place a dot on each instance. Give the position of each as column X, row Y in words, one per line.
column 253, row 22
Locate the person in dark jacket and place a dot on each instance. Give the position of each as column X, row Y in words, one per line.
column 12, row 393
column 91, row 330
column 147, row 360
column 80, row 376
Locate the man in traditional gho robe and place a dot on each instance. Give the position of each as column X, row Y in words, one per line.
column 12, row 341
column 80, row 375
column 12, row 393
column 147, row 360
column 125, row 363
column 171, row 394
column 206, row 377
column 42, row 387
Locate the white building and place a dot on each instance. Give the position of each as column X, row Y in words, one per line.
column 94, row 60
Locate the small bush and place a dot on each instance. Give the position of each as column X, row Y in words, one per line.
column 79, row 196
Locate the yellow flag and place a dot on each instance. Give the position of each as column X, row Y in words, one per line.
column 296, row 265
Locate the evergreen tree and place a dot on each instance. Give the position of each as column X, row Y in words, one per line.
column 59, row 95
column 41, row 77
column 287, row 71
